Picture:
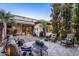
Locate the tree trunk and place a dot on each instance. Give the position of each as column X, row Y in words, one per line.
column 4, row 32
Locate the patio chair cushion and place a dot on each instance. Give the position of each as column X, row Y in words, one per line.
column 69, row 37
column 26, row 51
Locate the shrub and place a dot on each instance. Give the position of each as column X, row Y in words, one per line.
column 60, row 36
column 76, row 41
column 39, row 42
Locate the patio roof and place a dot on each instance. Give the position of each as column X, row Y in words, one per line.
column 25, row 22
column 17, row 17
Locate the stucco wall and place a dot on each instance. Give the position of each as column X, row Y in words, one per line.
column 37, row 29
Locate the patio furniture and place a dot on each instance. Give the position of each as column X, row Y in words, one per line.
column 26, row 51
column 53, row 37
column 48, row 35
column 47, row 38
column 41, row 48
column 16, row 40
column 20, row 42
column 11, row 50
column 68, row 40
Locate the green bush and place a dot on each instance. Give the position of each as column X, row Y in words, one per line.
column 76, row 41
column 39, row 42
column 60, row 37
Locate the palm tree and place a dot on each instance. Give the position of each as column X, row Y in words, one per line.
column 6, row 17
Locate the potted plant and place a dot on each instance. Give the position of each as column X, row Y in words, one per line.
column 39, row 42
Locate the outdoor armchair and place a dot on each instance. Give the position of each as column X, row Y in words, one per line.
column 48, row 35
column 47, row 38
column 68, row 40
column 20, row 42
column 53, row 37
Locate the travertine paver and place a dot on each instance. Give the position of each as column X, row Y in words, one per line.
column 26, row 38
column 54, row 49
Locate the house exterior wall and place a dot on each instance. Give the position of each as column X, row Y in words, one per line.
column 23, row 29
column 50, row 28
column 37, row 29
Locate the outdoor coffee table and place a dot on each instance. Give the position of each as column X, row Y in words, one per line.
column 41, row 48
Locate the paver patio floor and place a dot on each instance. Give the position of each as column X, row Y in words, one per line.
column 55, row 49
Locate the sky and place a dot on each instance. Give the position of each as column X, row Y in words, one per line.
column 32, row 10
